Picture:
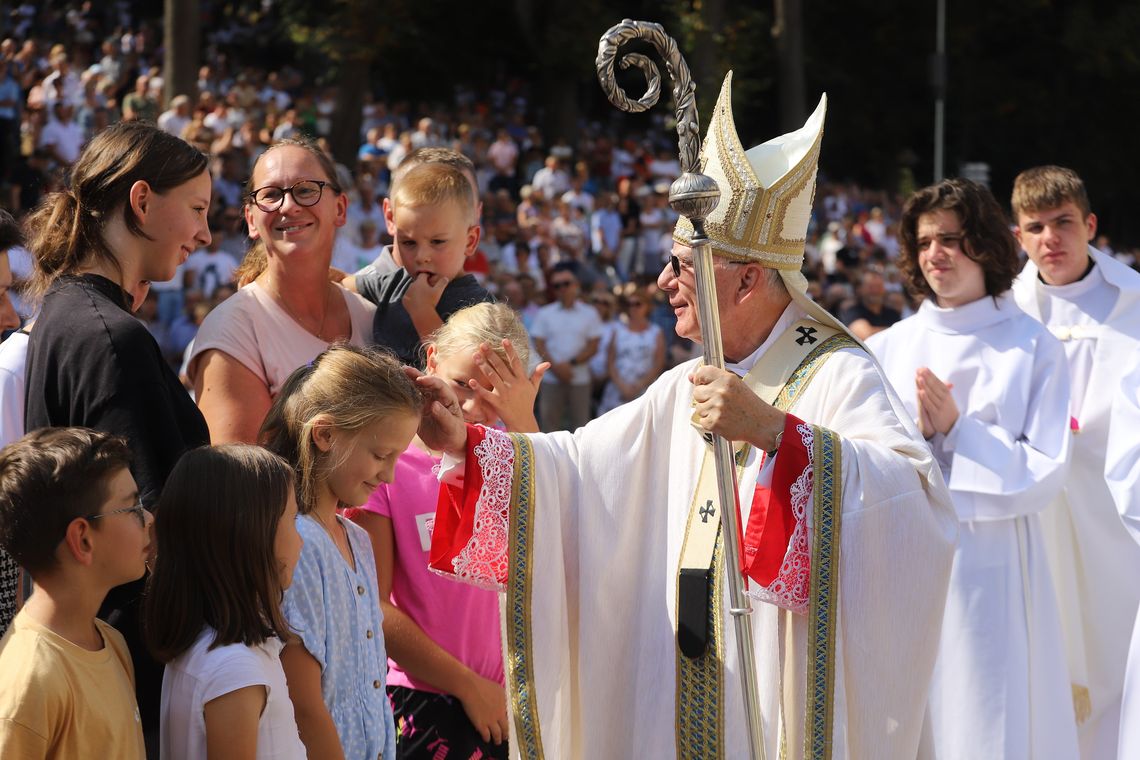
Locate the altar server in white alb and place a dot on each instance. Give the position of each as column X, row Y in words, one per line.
column 848, row 527
column 988, row 386
column 1122, row 471
column 1092, row 303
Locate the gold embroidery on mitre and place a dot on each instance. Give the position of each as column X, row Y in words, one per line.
column 754, row 223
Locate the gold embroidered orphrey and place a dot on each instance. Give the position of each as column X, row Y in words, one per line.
column 519, row 658
column 700, row 704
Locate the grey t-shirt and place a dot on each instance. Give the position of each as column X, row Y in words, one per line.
column 392, row 327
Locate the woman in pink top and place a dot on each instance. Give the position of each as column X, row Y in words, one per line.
column 446, row 665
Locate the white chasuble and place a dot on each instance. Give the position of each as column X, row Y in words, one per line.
column 586, row 530
column 1122, row 470
column 1001, row 685
column 1093, row 559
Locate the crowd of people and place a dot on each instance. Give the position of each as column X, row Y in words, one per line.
column 234, row 372
column 600, row 203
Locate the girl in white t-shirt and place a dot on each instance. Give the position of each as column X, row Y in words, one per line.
column 227, row 547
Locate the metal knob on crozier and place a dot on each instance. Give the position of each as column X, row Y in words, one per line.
column 695, row 196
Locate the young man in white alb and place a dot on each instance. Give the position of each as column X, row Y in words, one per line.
column 1091, row 302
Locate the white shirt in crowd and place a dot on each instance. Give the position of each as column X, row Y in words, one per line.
column 211, row 269
column 566, row 332
column 65, row 137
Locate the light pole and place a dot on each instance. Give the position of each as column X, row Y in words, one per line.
column 938, row 82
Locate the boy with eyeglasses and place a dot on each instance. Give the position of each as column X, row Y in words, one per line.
column 70, row 516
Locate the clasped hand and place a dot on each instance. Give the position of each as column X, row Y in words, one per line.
column 727, row 407
column 937, row 411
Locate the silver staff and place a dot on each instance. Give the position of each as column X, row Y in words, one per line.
column 695, row 195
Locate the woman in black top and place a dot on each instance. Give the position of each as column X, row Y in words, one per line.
column 135, row 210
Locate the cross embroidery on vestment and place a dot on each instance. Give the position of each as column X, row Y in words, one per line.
column 808, row 334
column 707, row 511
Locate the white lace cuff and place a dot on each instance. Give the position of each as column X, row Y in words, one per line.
column 791, row 588
column 483, row 561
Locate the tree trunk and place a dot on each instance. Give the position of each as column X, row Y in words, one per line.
column 708, row 68
column 182, row 45
column 344, row 135
column 790, row 47
column 559, row 99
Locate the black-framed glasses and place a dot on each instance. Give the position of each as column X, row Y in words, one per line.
column 138, row 510
column 561, row 284
column 307, row 192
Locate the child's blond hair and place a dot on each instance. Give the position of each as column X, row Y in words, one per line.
column 489, row 323
column 1046, row 187
column 345, row 387
column 434, row 184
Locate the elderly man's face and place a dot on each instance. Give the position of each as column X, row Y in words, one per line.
column 681, row 289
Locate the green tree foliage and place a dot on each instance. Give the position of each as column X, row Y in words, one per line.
column 1030, row 81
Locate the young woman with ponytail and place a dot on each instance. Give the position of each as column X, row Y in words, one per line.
column 134, row 210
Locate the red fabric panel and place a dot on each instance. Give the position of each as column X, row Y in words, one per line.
column 455, row 510
column 771, row 522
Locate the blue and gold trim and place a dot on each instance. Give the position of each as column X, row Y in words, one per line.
column 827, row 498
column 808, row 367
column 519, row 636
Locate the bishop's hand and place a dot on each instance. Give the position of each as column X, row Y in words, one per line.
column 725, row 406
column 441, row 426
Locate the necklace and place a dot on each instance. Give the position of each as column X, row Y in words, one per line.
column 275, row 293
column 339, row 536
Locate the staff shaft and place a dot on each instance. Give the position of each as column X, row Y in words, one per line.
column 695, row 195
column 739, row 605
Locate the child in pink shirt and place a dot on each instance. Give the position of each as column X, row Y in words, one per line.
column 446, row 665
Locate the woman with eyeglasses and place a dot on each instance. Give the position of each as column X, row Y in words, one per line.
column 290, row 312
column 636, row 352
column 134, row 210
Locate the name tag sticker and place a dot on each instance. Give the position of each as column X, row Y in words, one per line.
column 425, row 523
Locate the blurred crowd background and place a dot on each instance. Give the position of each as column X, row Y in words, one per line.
column 595, row 194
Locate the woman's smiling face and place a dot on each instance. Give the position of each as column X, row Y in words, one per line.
column 293, row 229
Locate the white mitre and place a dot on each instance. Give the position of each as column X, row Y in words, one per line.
column 766, row 197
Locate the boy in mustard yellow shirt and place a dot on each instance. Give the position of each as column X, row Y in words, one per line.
column 70, row 516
